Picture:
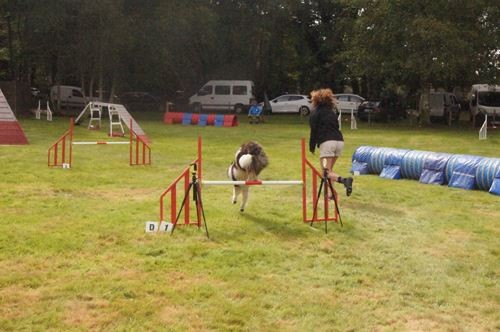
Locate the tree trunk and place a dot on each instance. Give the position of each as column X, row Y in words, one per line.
column 11, row 49
column 100, row 68
column 112, row 90
column 424, row 106
column 91, row 88
column 82, row 84
column 101, row 79
column 58, row 106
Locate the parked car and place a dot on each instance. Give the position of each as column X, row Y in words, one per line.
column 347, row 102
column 381, row 110
column 291, row 104
column 138, row 97
column 444, row 105
column 372, row 110
column 70, row 99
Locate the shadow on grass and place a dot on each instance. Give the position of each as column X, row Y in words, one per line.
column 249, row 225
column 286, row 229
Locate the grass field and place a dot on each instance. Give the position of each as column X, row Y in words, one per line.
column 74, row 254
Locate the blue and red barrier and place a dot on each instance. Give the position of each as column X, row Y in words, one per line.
column 218, row 120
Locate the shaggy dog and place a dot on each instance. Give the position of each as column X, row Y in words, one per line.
column 249, row 161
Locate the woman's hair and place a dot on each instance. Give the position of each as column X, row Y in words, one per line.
column 323, row 97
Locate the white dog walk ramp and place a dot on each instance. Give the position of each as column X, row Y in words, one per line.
column 124, row 115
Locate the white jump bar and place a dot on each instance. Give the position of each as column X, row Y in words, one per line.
column 98, row 143
column 251, row 183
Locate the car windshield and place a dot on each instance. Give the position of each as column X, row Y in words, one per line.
column 436, row 99
column 490, row 98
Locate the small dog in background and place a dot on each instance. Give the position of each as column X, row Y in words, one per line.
column 249, row 161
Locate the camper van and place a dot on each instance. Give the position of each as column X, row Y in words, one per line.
column 444, row 105
column 71, row 98
column 485, row 99
column 232, row 96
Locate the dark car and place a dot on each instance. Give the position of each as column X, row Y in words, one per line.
column 373, row 111
column 138, row 97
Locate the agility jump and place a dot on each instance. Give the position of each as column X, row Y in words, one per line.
column 192, row 178
column 61, row 152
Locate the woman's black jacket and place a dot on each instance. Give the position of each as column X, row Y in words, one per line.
column 324, row 126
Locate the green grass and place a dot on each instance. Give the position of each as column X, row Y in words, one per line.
column 74, row 254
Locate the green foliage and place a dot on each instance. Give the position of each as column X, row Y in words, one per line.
column 74, row 254
column 286, row 45
column 415, row 43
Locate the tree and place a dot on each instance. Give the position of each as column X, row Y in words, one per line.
column 161, row 46
column 414, row 43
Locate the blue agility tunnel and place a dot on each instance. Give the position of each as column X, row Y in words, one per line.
column 434, row 168
column 486, row 171
column 392, row 164
column 495, row 186
column 461, row 171
column 413, row 164
column 377, row 160
column 360, row 159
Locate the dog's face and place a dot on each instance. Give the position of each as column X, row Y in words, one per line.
column 245, row 162
column 242, row 168
column 249, row 160
column 251, row 157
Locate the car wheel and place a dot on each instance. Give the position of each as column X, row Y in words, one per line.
column 304, row 110
column 196, row 108
column 238, row 108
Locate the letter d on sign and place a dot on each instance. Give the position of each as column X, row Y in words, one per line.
column 151, row 226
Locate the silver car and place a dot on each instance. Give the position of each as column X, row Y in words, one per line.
column 347, row 102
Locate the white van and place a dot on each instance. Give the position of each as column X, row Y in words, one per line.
column 485, row 99
column 71, row 97
column 444, row 105
column 233, row 96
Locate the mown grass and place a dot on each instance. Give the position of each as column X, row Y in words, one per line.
column 74, row 254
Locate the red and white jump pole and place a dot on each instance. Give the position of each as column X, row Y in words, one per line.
column 58, row 154
column 308, row 171
column 253, row 183
column 100, row 143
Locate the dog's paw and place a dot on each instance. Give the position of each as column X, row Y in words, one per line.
column 242, row 210
column 233, row 200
